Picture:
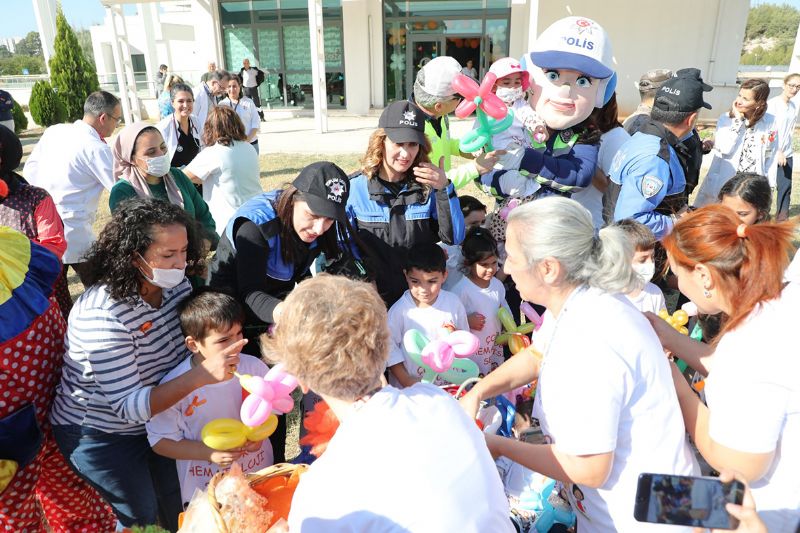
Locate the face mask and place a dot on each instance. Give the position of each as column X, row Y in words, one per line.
column 159, row 165
column 509, row 95
column 645, row 271
column 166, row 278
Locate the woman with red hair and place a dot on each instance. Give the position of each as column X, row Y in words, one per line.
column 752, row 421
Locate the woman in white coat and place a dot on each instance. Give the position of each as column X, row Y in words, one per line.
column 181, row 129
column 245, row 108
column 746, row 141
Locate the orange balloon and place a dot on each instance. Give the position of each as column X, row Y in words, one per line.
column 432, row 24
column 418, row 26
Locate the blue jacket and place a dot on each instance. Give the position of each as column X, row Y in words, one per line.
column 648, row 170
column 389, row 225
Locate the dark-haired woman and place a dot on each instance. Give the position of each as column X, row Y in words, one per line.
column 180, row 128
column 482, row 295
column 749, row 195
column 746, row 140
column 244, row 107
column 228, row 166
column 123, row 337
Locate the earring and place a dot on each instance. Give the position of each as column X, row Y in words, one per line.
column 706, row 293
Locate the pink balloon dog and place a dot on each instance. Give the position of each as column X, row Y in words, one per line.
column 439, row 354
column 267, row 394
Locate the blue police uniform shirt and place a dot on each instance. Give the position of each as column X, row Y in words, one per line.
column 646, row 179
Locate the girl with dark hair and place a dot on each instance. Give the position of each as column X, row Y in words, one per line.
column 270, row 243
column 180, row 127
column 746, row 140
column 227, row 168
column 124, row 336
column 726, row 266
column 482, row 295
column 749, row 195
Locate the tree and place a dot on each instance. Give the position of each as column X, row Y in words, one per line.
column 73, row 76
column 17, row 64
column 30, row 45
column 4, row 53
column 20, row 120
column 85, row 40
column 45, row 105
column 773, row 28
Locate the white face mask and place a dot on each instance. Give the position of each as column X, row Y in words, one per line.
column 645, row 271
column 166, row 278
column 159, row 165
column 509, row 95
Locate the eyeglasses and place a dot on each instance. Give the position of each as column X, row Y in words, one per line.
column 793, row 86
column 116, row 119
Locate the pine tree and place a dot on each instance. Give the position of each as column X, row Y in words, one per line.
column 45, row 105
column 72, row 75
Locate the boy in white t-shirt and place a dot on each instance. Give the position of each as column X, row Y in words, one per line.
column 211, row 321
column 648, row 297
column 424, row 307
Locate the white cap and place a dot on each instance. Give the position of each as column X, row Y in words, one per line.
column 439, row 74
column 575, row 43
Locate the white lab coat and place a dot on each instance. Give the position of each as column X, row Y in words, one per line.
column 168, row 127
column 74, row 165
column 203, row 101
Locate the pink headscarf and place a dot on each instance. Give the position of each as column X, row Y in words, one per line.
column 125, row 168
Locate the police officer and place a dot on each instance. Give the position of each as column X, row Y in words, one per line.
column 648, row 167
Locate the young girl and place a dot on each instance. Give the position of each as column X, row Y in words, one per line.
column 482, row 295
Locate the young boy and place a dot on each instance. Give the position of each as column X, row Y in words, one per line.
column 648, row 297
column 210, row 321
column 425, row 307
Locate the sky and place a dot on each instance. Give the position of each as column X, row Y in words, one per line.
column 79, row 13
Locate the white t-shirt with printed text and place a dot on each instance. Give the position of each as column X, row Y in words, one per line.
column 185, row 420
column 406, row 460
column 446, row 311
column 486, row 302
column 609, row 389
column 753, row 395
column 649, row 299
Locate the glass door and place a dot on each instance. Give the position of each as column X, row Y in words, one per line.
column 269, row 60
column 423, row 48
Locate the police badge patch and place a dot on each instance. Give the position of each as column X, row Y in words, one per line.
column 651, row 185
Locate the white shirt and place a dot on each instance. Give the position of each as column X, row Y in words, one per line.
column 404, row 315
column 74, row 165
column 591, row 198
column 168, row 126
column 249, row 77
column 230, row 178
column 185, row 421
column 247, row 111
column 753, row 395
column 609, row 389
column 785, row 120
column 203, row 101
column 649, row 299
column 454, row 261
column 486, row 302
column 406, row 460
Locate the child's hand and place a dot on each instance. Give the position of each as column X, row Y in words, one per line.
column 221, row 366
column 252, row 446
column 476, row 321
column 486, row 162
column 226, row 458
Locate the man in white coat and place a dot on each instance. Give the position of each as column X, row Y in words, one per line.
column 74, row 164
column 205, row 95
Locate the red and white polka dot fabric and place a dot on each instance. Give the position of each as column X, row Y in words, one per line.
column 47, row 488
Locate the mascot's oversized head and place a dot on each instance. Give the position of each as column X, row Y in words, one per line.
column 572, row 69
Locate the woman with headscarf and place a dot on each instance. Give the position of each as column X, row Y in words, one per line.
column 35, row 480
column 142, row 166
column 30, row 210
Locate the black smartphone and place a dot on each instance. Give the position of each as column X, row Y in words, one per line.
column 686, row 501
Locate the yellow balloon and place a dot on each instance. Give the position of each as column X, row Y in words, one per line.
column 8, row 470
column 264, row 430
column 663, row 314
column 681, row 317
column 670, row 321
column 228, row 433
column 684, row 330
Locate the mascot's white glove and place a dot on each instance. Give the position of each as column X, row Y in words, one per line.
column 511, row 159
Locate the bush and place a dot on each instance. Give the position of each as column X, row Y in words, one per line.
column 20, row 120
column 72, row 75
column 46, row 106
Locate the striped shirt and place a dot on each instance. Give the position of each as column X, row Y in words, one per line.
column 117, row 351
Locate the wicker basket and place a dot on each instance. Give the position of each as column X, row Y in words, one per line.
column 285, row 470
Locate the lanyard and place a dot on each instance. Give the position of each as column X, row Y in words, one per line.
column 178, row 132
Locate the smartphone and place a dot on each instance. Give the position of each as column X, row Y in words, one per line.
column 686, row 501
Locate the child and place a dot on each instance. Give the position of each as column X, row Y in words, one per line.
column 424, row 307
column 474, row 217
column 210, row 321
column 482, row 295
column 648, row 297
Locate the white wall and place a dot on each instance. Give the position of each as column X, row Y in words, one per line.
column 362, row 24
column 648, row 34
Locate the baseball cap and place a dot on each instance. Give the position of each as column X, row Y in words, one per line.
column 684, row 92
column 653, row 79
column 438, row 74
column 576, row 43
column 326, row 189
column 403, row 122
column 508, row 65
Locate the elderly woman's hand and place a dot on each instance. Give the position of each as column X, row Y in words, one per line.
column 431, row 176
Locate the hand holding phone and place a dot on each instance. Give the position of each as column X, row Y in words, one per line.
column 687, row 500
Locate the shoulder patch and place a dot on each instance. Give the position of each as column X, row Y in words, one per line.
column 651, row 185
